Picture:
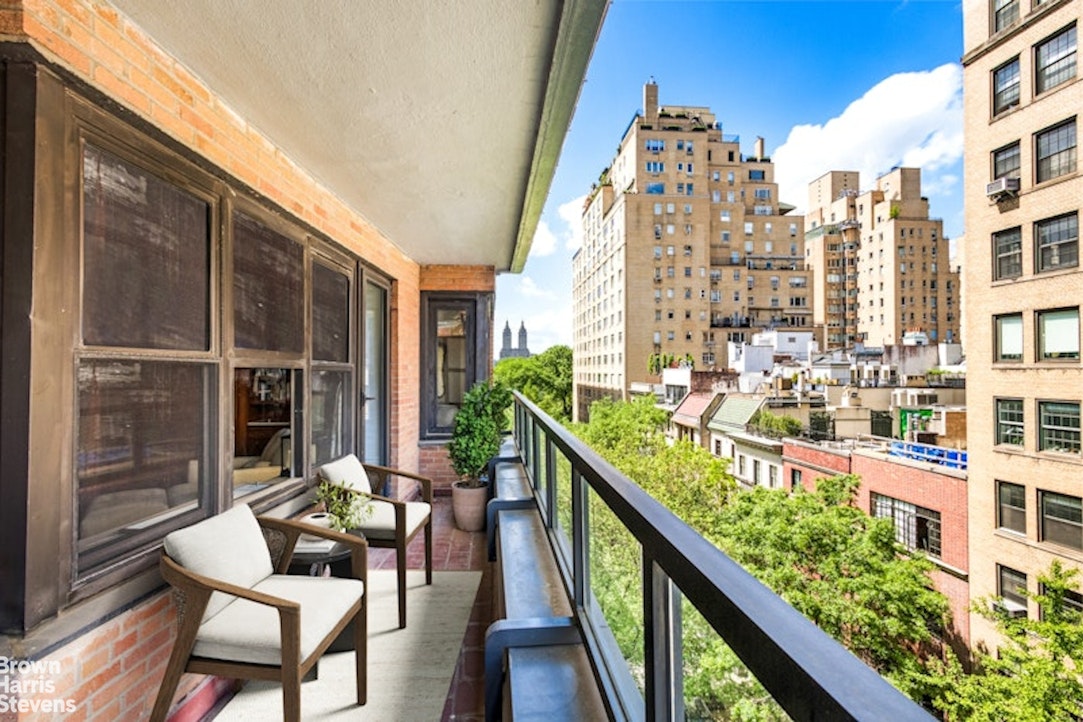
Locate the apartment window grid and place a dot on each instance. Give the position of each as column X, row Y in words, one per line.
column 1058, row 334
column 1006, row 86
column 1006, row 161
column 1009, row 422
column 1061, row 519
column 1012, row 507
column 1055, row 60
column 1005, row 12
column 1057, row 242
column 1008, row 330
column 1012, row 585
column 916, row 527
column 1058, row 426
column 1056, row 151
column 1072, row 601
column 1008, row 253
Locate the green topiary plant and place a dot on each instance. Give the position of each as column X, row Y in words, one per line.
column 475, row 436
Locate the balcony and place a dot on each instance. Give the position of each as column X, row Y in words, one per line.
column 578, row 497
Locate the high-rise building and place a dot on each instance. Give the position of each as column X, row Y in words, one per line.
column 1024, row 289
column 880, row 265
column 686, row 247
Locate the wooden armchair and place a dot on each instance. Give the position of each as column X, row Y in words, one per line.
column 390, row 523
column 240, row 615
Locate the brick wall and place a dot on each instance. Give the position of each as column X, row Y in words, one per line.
column 944, row 492
column 112, row 673
column 813, row 463
column 474, row 279
column 434, row 463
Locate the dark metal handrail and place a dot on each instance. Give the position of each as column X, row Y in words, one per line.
column 809, row 674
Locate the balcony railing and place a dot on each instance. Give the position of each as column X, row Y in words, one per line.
column 810, row 675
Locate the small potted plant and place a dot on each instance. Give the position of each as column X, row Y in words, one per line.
column 345, row 509
column 475, row 438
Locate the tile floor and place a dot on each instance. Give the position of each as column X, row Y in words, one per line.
column 456, row 550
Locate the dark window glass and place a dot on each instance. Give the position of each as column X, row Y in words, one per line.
column 268, row 288
column 330, row 314
column 1006, row 86
column 1062, row 519
column 1054, row 60
column 1008, row 253
column 146, row 247
column 1058, row 426
column 263, row 449
column 916, row 527
column 1009, row 422
column 1012, row 509
column 1012, row 585
column 1006, row 162
column 1057, row 242
column 1005, row 12
column 1056, row 151
column 330, row 415
column 144, row 450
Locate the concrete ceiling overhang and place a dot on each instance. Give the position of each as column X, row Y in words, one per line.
column 439, row 121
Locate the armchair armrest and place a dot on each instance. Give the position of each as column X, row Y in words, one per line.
column 382, row 472
column 293, row 529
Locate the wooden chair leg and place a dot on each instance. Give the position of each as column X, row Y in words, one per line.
column 428, row 551
column 360, row 645
column 400, row 559
column 173, row 671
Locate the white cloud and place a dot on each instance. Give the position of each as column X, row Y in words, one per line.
column 572, row 215
column 529, row 289
column 910, row 119
column 545, row 241
column 549, row 327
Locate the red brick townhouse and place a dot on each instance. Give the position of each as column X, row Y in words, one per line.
column 922, row 488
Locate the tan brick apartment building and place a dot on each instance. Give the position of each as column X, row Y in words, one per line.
column 215, row 277
column 1024, row 288
column 686, row 247
column 879, row 263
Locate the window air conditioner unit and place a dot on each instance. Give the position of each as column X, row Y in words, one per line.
column 1013, row 609
column 1002, row 187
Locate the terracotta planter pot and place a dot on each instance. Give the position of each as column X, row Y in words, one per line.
column 468, row 505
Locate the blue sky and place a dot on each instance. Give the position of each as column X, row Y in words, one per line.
column 829, row 84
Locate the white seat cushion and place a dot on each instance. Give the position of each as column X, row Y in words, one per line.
column 347, row 472
column 380, row 524
column 247, row 631
column 228, row 547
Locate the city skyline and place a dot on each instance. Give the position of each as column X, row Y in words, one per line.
column 833, row 85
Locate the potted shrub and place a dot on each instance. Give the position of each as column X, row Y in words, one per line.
column 475, row 438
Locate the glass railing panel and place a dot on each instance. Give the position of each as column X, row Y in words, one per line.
column 717, row 685
column 540, row 472
column 614, row 603
column 563, row 495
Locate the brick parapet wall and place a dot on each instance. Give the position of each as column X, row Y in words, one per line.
column 111, row 673
column 813, row 462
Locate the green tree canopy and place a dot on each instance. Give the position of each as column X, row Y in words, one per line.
column 545, row 379
column 1035, row 673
